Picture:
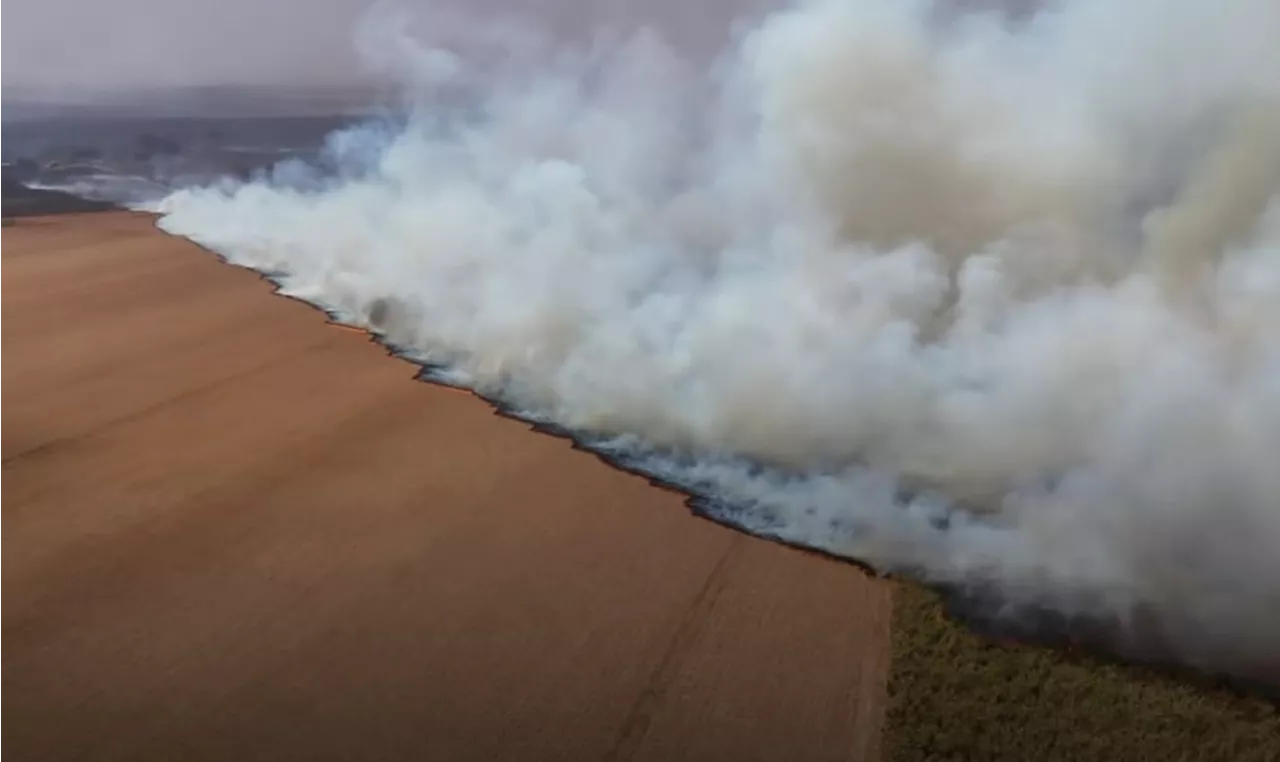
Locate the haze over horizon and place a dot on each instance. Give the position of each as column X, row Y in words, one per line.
column 192, row 55
column 71, row 46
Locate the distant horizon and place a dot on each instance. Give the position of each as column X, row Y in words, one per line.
column 19, row 103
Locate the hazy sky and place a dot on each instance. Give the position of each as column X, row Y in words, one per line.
column 126, row 44
column 69, row 48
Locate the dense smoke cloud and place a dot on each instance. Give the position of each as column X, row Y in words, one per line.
column 990, row 298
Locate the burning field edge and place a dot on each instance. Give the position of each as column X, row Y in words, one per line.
column 964, row 687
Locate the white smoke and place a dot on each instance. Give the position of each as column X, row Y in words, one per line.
column 994, row 301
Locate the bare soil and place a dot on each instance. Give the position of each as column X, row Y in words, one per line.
column 234, row 532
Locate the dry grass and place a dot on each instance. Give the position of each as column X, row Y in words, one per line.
column 955, row 696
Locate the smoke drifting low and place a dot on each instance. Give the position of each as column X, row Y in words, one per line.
column 989, row 300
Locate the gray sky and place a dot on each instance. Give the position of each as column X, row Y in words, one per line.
column 105, row 45
column 69, row 50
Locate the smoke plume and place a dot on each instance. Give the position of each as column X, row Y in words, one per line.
column 984, row 297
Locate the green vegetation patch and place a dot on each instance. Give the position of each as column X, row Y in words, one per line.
column 956, row 696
